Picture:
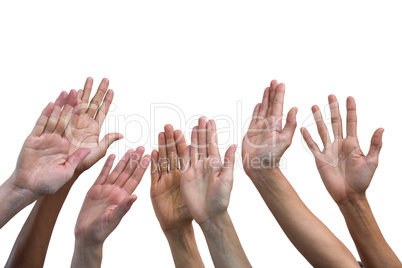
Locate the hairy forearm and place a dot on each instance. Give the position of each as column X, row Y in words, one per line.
column 86, row 256
column 223, row 242
column 184, row 247
column 13, row 200
column 32, row 243
column 307, row 233
column 370, row 243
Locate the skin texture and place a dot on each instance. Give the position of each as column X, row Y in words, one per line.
column 105, row 204
column 206, row 185
column 173, row 215
column 45, row 162
column 263, row 146
column 347, row 173
column 83, row 131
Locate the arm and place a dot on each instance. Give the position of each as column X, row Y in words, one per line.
column 347, row 173
column 173, row 215
column 105, row 204
column 32, row 242
column 206, row 186
column 45, row 162
column 263, row 146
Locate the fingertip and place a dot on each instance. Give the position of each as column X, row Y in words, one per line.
column 140, row 149
column 168, row 127
column 280, row 87
column 105, row 81
column 178, row 135
column 146, row 160
column 154, row 154
column 202, row 120
column 315, row 108
column 332, row 98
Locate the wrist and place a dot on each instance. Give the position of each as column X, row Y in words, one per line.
column 179, row 232
column 354, row 201
column 87, row 255
column 258, row 175
column 218, row 221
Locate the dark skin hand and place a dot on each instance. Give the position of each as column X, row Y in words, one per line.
column 30, row 248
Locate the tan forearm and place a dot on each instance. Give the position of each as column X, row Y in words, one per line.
column 307, row 233
column 370, row 243
column 223, row 242
column 184, row 247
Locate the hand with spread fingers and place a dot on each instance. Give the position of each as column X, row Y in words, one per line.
column 85, row 129
column 206, row 185
column 343, row 167
column 266, row 141
column 263, row 146
column 105, row 204
column 167, row 165
column 347, row 173
column 82, row 133
column 45, row 162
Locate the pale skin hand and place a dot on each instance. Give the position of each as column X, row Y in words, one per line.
column 347, row 173
column 266, row 140
column 343, row 167
column 46, row 162
column 206, row 185
column 30, row 248
column 84, row 129
column 263, row 146
column 167, row 165
column 108, row 200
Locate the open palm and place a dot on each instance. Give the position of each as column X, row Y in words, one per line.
column 45, row 162
column 109, row 199
column 265, row 139
column 343, row 167
column 85, row 127
column 206, row 184
column 166, row 174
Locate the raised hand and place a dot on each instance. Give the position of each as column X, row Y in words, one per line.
column 46, row 162
column 85, row 127
column 207, row 183
column 266, row 141
column 166, row 172
column 173, row 215
column 110, row 197
column 343, row 167
column 263, row 147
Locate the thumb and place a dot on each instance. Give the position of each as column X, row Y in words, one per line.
column 108, row 140
column 375, row 146
column 291, row 123
column 77, row 157
column 122, row 208
column 228, row 163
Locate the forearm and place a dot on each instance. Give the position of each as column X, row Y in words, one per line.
column 370, row 243
column 223, row 242
column 31, row 245
column 86, row 256
column 13, row 200
column 307, row 233
column 184, row 247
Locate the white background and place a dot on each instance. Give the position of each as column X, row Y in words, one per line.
column 205, row 58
